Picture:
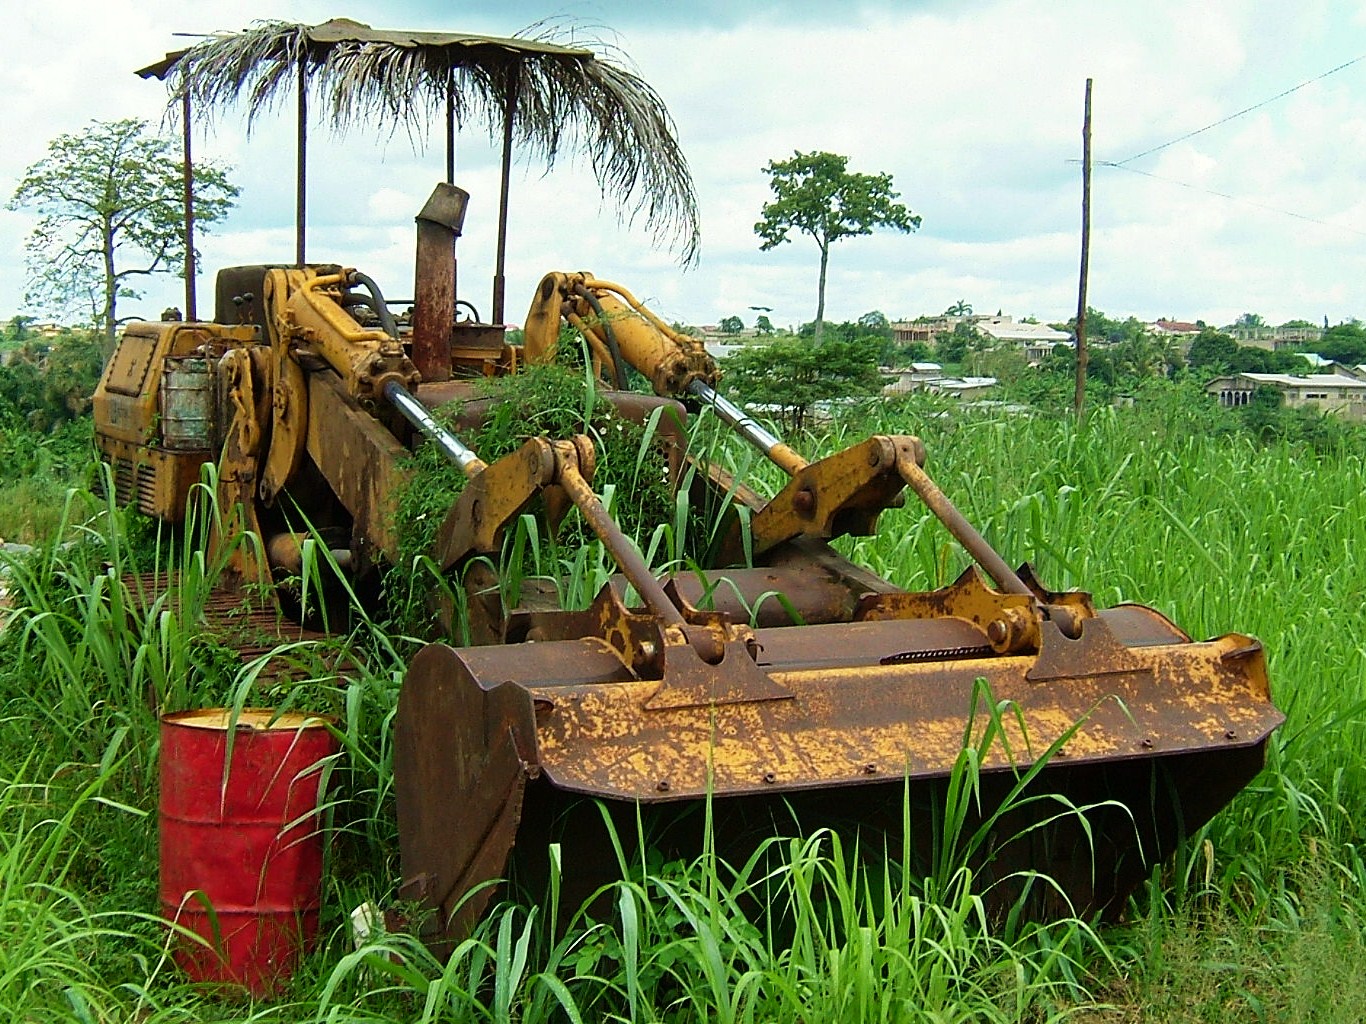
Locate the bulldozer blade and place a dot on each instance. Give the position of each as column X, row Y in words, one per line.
column 1143, row 736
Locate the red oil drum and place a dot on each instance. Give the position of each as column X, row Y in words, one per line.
column 242, row 853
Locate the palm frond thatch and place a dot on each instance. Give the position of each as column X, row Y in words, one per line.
column 564, row 98
column 257, row 64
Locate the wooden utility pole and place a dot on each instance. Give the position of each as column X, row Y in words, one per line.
column 1079, row 398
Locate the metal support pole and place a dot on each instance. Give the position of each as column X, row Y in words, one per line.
column 1079, row 394
column 191, row 311
column 499, row 282
column 301, row 174
column 450, row 126
column 963, row 531
column 628, row 559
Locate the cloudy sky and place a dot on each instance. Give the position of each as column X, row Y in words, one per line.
column 974, row 107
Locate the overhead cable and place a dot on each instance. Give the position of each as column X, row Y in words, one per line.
column 1246, row 110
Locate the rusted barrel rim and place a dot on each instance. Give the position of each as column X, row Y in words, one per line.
column 256, row 719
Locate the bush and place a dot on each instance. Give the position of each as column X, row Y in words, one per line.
column 793, row 375
column 48, row 383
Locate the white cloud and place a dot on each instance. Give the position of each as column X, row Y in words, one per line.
column 975, row 111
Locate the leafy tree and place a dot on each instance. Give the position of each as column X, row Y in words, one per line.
column 1212, row 352
column 959, row 308
column 763, row 325
column 16, row 329
column 880, row 342
column 794, row 376
column 1346, row 343
column 1100, row 327
column 980, row 344
column 1262, row 415
column 876, row 322
column 732, row 325
column 1256, row 360
column 46, row 386
column 952, row 346
column 110, row 213
column 1141, row 355
column 1006, row 364
column 1250, row 320
column 1062, row 360
column 910, row 352
column 815, row 194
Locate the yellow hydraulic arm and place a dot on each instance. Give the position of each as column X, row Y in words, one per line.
column 842, row 493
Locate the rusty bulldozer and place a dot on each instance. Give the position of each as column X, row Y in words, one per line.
column 846, row 704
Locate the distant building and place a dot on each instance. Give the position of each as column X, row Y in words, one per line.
column 926, row 329
column 960, row 387
column 912, row 378
column 1037, row 340
column 712, row 332
column 1336, row 393
column 1299, row 334
column 1174, row 328
column 1276, row 339
column 1321, row 364
column 720, row 350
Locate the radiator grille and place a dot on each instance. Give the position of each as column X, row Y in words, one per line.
column 135, row 481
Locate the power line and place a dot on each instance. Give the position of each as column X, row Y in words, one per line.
column 1230, row 117
column 1119, row 166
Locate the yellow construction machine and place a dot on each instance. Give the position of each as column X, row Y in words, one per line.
column 846, row 703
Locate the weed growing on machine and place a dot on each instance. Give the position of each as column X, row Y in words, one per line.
column 632, row 474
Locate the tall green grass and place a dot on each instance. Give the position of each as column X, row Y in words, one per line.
column 1260, row 918
column 1217, row 532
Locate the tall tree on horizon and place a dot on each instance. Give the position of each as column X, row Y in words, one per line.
column 816, row 194
column 110, row 210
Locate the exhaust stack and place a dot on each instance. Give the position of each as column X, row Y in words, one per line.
column 438, row 226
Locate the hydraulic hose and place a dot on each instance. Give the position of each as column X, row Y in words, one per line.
column 386, row 318
column 618, row 372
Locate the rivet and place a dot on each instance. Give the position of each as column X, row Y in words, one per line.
column 662, row 785
column 1148, row 743
column 1230, row 735
column 997, row 631
column 770, row 777
column 870, row 769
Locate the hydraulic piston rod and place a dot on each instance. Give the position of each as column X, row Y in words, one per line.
column 416, row 413
column 784, row 457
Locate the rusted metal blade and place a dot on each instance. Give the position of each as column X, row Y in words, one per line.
column 1146, row 732
column 1092, row 829
column 838, row 715
column 851, row 720
column 460, row 779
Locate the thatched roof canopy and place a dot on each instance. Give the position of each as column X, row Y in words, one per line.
column 558, row 97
